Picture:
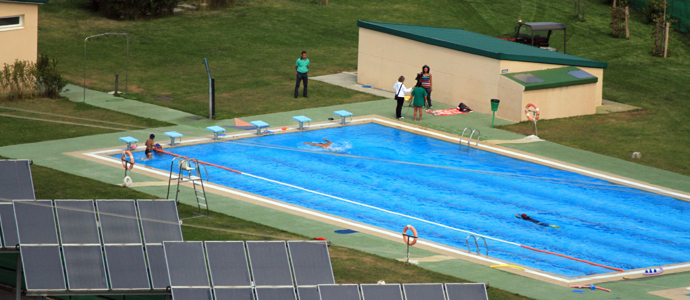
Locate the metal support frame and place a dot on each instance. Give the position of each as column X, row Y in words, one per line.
column 126, row 63
column 18, row 286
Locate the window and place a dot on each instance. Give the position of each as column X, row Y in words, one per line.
column 8, row 23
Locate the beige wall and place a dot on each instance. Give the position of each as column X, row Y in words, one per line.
column 457, row 76
column 472, row 79
column 21, row 44
column 561, row 102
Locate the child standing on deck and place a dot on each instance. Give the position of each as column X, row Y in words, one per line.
column 418, row 97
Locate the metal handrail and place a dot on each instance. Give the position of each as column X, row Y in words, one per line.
column 476, row 244
column 469, row 140
column 476, row 143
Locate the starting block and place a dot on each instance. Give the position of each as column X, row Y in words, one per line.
column 343, row 114
column 129, row 140
column 217, row 131
column 173, row 135
column 301, row 120
column 259, row 124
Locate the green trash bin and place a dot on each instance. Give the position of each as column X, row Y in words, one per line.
column 494, row 108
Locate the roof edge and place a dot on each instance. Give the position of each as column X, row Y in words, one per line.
column 35, row 2
column 501, row 56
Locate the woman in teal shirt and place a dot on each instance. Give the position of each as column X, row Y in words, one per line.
column 418, row 97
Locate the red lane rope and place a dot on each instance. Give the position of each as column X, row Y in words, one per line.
column 577, row 259
column 201, row 162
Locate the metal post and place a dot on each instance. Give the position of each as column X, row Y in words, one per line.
column 117, row 78
column 408, row 252
column 210, row 90
column 213, row 97
column 18, row 287
column 564, row 40
column 492, row 120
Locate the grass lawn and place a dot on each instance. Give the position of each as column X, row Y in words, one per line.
column 19, row 131
column 349, row 266
column 252, row 48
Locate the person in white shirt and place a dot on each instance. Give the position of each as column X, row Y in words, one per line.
column 400, row 91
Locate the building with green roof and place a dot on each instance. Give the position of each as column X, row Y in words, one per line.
column 19, row 30
column 473, row 68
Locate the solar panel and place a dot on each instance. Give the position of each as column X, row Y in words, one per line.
column 339, row 291
column 35, row 222
column 580, row 74
column 77, row 222
column 275, row 293
column 381, row 292
column 15, row 180
column 308, row 293
column 159, row 220
column 269, row 262
column 43, row 268
column 424, row 291
column 528, row 78
column 191, row 294
column 85, row 267
column 119, row 223
column 8, row 225
column 311, row 262
column 466, row 291
column 126, row 267
column 242, row 293
column 227, row 262
column 186, row 264
column 159, row 270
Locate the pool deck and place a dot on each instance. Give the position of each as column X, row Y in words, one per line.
column 54, row 154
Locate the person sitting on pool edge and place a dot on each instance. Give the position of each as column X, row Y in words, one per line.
column 528, row 218
column 322, row 145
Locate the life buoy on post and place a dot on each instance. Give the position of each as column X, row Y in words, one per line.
column 406, row 238
column 536, row 112
column 125, row 163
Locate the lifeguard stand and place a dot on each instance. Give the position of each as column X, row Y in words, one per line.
column 189, row 170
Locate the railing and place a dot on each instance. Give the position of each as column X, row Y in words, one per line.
column 476, row 244
column 469, row 140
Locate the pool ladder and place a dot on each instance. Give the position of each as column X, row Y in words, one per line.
column 193, row 169
column 476, row 244
column 469, row 140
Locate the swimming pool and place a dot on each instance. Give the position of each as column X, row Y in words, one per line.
column 389, row 178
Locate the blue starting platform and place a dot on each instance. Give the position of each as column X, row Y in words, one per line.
column 217, row 131
column 259, row 124
column 173, row 135
column 129, row 140
column 343, row 114
column 301, row 120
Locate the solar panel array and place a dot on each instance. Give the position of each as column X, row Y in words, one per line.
column 127, row 245
column 15, row 180
column 111, row 258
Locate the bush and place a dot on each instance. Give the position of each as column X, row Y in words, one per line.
column 134, row 9
column 17, row 80
column 48, row 82
column 25, row 79
column 654, row 9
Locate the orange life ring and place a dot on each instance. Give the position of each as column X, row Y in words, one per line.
column 536, row 112
column 407, row 238
column 125, row 163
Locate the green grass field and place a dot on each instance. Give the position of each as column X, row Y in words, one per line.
column 252, row 48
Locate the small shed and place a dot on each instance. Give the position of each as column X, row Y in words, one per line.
column 19, row 30
column 473, row 68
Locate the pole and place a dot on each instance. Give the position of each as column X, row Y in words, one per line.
column 117, row 78
column 627, row 24
column 666, row 41
column 408, row 252
column 86, row 39
column 210, row 91
column 213, row 97
column 18, row 287
column 492, row 120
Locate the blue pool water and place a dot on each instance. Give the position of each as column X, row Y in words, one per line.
column 455, row 191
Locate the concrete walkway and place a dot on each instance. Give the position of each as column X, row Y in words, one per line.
column 349, row 80
column 51, row 154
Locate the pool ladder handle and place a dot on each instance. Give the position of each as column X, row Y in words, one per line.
column 469, row 140
column 476, row 244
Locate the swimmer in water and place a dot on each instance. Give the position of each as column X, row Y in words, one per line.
column 528, row 218
column 322, row 145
